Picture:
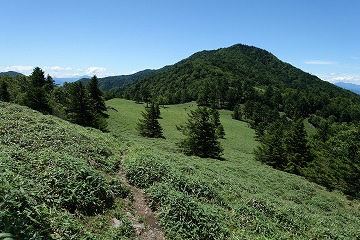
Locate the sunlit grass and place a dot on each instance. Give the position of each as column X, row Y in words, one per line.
column 259, row 202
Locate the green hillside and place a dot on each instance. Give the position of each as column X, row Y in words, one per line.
column 58, row 180
column 237, row 198
column 239, row 74
column 11, row 73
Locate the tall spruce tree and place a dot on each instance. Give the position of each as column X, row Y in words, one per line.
column 220, row 132
column 200, row 131
column 297, row 149
column 97, row 104
column 237, row 113
column 4, row 93
column 79, row 110
column 149, row 126
column 272, row 148
column 38, row 95
column 96, row 98
column 49, row 83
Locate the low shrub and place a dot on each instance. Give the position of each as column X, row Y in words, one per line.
column 183, row 217
column 144, row 169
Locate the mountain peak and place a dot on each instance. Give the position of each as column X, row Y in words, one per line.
column 11, row 73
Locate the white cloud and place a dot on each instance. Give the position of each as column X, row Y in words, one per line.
column 21, row 69
column 56, row 69
column 61, row 72
column 95, row 71
column 319, row 62
column 337, row 77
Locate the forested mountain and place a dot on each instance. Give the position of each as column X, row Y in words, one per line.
column 240, row 74
column 11, row 73
column 60, row 81
column 115, row 82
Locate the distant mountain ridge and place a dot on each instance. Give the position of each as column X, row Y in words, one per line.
column 349, row 86
column 114, row 82
column 61, row 81
column 58, row 81
column 11, row 73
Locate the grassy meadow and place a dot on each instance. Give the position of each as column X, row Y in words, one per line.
column 236, row 198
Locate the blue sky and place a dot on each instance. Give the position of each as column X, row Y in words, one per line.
column 111, row 37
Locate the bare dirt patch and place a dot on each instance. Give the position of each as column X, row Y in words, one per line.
column 143, row 219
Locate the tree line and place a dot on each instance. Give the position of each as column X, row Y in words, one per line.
column 75, row 102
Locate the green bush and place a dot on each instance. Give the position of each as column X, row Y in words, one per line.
column 144, row 169
column 84, row 189
column 195, row 187
column 182, row 217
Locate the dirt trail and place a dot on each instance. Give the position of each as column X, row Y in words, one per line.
column 143, row 220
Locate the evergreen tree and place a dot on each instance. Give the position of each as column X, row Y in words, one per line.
column 272, row 148
column 149, row 126
column 49, row 83
column 297, row 149
column 96, row 98
column 37, row 77
column 323, row 130
column 201, row 138
column 79, row 110
column 237, row 113
column 157, row 111
column 4, row 93
column 97, row 104
column 38, row 96
column 145, row 95
column 220, row 132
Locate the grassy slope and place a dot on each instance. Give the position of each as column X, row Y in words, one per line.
column 57, row 180
column 258, row 202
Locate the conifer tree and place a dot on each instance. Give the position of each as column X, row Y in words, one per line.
column 38, row 96
column 96, row 98
column 4, row 93
column 97, row 104
column 220, row 132
column 79, row 110
column 201, row 138
column 37, row 77
column 49, row 83
column 149, row 126
column 237, row 113
column 297, row 149
column 157, row 111
column 272, row 148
